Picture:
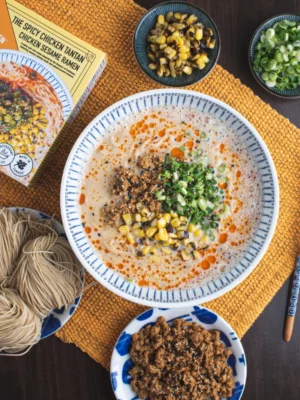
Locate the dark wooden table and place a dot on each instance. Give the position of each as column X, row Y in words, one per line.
column 56, row 371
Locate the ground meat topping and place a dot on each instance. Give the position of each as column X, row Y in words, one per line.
column 180, row 362
column 133, row 188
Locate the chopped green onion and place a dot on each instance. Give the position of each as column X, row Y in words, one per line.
column 182, row 184
column 191, row 191
column 278, row 55
column 181, row 200
column 222, row 168
column 270, row 33
column 202, row 203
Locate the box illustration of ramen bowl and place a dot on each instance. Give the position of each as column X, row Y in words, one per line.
column 46, row 75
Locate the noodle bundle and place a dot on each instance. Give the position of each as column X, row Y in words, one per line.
column 15, row 230
column 38, row 273
column 12, row 236
column 20, row 327
column 47, row 275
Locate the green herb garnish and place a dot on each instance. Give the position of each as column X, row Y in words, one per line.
column 191, row 190
column 277, row 58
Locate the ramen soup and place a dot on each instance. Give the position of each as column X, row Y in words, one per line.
column 30, row 112
column 170, row 198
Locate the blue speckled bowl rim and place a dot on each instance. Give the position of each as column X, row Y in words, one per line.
column 156, row 78
column 251, row 45
column 186, row 311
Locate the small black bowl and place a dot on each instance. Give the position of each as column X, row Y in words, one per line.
column 287, row 93
column 144, row 27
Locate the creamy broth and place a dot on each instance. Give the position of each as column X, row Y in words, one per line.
column 158, row 132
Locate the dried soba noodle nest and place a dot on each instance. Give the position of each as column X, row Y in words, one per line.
column 20, row 327
column 38, row 273
column 47, row 274
column 15, row 230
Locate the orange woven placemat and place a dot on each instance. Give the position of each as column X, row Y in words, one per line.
column 109, row 25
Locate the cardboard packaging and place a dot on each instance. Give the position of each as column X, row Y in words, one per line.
column 46, row 74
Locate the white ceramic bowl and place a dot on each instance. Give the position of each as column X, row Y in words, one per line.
column 80, row 156
column 121, row 362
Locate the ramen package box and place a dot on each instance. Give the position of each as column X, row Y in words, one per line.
column 46, row 75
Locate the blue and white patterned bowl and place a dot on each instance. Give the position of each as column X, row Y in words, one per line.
column 144, row 27
column 121, row 362
column 57, row 318
column 79, row 158
column 46, row 71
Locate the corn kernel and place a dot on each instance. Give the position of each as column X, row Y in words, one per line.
column 145, row 212
column 183, row 56
column 168, row 50
column 130, row 238
column 186, row 255
column 161, row 223
column 166, row 250
column 124, row 229
column 203, row 241
column 144, row 219
column 173, row 214
column 138, row 217
column 151, row 56
column 184, row 49
column 191, row 19
column 153, row 250
column 139, row 233
column 146, row 250
column 196, row 255
column 154, row 222
column 167, row 217
column 175, row 222
column 187, row 70
column 177, row 15
column 185, row 242
column 161, row 19
column 199, row 34
column 211, row 44
column 201, row 65
column 161, row 39
column 163, row 234
column 198, row 232
column 169, row 16
column 137, row 225
column 127, row 219
column 191, row 228
column 180, row 41
column 151, row 231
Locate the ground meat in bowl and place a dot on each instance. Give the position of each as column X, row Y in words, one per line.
column 182, row 361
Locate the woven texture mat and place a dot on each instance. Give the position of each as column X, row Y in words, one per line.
column 109, row 25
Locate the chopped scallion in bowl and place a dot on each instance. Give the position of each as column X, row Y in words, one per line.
column 274, row 55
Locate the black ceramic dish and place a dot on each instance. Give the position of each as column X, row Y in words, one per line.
column 143, row 29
